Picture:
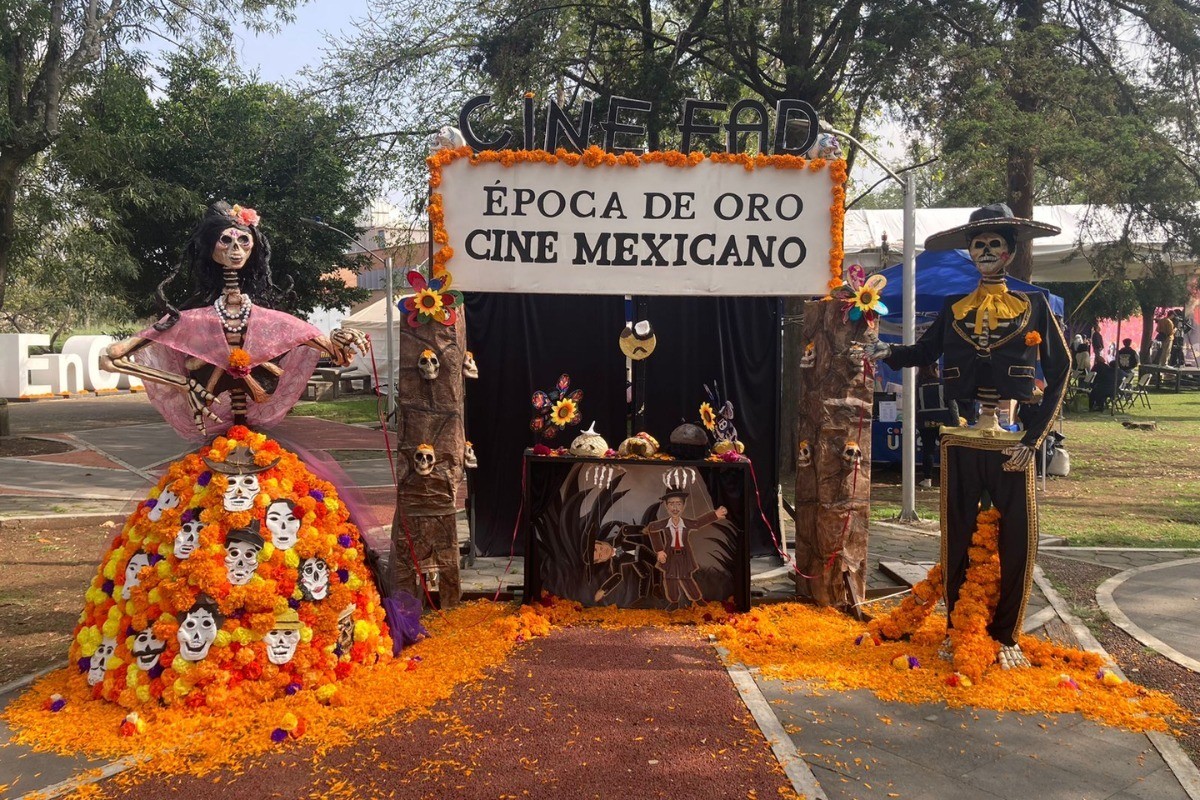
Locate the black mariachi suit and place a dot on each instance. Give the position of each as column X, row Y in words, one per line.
column 998, row 360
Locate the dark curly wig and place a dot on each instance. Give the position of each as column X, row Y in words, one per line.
column 208, row 276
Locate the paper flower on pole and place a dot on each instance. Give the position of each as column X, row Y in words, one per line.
column 859, row 295
column 433, row 301
column 556, row 409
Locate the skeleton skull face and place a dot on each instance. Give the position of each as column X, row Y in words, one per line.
column 804, row 454
column 240, row 492
column 428, row 365
column 852, row 453
column 314, row 578
column 241, row 559
column 281, row 644
column 232, row 248
column 346, row 629
column 197, row 632
column 809, row 358
column 469, row 459
column 186, row 538
column 132, row 569
column 146, row 649
column 282, row 523
column 99, row 662
column 166, row 501
column 423, row 460
column 470, row 369
column 990, row 252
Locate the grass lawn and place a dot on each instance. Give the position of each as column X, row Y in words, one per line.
column 1126, row 488
column 354, row 409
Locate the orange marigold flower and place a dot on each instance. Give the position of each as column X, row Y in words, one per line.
column 1033, row 339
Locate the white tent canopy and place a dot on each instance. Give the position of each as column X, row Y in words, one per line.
column 371, row 319
column 1062, row 258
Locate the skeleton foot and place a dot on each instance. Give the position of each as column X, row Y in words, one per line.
column 1011, row 657
column 946, row 651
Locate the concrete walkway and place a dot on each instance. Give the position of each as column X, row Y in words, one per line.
column 1158, row 605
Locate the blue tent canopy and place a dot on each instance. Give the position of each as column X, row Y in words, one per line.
column 941, row 273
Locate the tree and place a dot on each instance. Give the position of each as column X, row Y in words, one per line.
column 49, row 51
column 214, row 134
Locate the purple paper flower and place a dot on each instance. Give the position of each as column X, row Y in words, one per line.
column 293, row 603
column 58, row 704
column 204, row 478
column 107, row 587
column 317, row 494
column 155, row 671
column 913, row 663
column 279, row 735
column 344, row 540
column 85, row 663
column 151, row 503
column 291, row 689
column 189, row 515
column 343, row 575
column 155, row 558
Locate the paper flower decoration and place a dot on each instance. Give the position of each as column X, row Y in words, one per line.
column 1033, row 339
column 239, row 363
column 556, row 409
column 433, row 301
column 906, row 662
column 708, row 417
column 246, row 216
column 865, row 640
column 957, row 679
column 1065, row 681
column 1109, row 678
column 859, row 295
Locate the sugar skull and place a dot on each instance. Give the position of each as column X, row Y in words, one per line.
column 240, row 492
column 470, row 368
column 166, row 501
column 136, row 562
column 809, row 359
column 198, row 630
column 991, row 252
column 187, row 537
column 469, row 459
column 804, row 454
column 423, row 459
column 852, row 453
column 282, row 639
column 241, row 553
column 283, row 524
column 428, row 365
column 314, row 578
column 146, row 649
column 346, row 629
column 99, row 663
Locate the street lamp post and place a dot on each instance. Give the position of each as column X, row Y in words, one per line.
column 391, row 308
column 908, row 430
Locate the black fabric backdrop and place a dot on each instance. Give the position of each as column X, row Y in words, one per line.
column 524, row 342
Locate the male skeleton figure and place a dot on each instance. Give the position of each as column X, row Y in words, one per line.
column 992, row 341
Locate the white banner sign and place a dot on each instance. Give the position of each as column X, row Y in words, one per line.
column 713, row 228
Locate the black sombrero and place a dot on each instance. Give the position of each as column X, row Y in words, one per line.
column 996, row 217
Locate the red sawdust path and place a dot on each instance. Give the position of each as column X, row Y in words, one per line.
column 583, row 713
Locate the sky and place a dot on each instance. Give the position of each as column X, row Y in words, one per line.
column 279, row 57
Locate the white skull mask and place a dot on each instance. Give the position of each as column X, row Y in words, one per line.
column 281, row 644
column 469, row 459
column 135, row 565
column 809, row 359
column 314, row 578
column 429, row 365
column 146, row 649
column 990, row 252
column 423, row 460
column 241, row 559
column 166, row 501
column 197, row 632
column 852, row 453
column 232, row 248
column 186, row 538
column 470, row 369
column 804, row 454
column 99, row 663
column 283, row 525
column 346, row 629
column 240, row 492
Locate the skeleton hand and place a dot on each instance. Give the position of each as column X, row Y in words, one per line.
column 200, row 399
column 342, row 340
column 873, row 348
column 1019, row 456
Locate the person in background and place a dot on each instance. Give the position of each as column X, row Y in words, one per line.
column 932, row 412
column 1080, row 354
column 1127, row 358
column 1097, row 347
column 1104, row 386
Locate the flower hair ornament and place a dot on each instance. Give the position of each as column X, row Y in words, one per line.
column 245, row 216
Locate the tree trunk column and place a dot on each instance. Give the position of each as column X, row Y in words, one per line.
column 429, row 414
column 833, row 465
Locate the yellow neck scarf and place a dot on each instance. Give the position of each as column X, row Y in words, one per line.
column 994, row 303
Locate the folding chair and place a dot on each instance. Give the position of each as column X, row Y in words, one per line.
column 1123, row 397
column 1141, row 390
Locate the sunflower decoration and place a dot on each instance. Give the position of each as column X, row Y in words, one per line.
column 708, row 417
column 556, row 409
column 859, row 295
column 433, row 300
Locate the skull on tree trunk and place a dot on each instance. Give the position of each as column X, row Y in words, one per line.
column 429, row 365
column 852, row 453
column 469, row 367
column 469, row 459
column 423, row 459
column 804, row 454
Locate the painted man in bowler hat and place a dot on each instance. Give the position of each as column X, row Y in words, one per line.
column 669, row 538
column 992, row 341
